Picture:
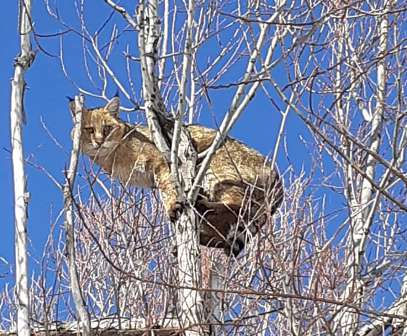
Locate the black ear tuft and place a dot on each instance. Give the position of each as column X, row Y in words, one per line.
column 117, row 94
column 71, row 104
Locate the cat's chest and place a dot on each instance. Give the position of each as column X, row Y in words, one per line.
column 134, row 171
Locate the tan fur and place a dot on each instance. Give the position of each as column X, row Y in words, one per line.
column 127, row 152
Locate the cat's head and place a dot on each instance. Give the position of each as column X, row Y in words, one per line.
column 102, row 130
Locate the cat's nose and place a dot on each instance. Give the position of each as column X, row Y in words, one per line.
column 98, row 141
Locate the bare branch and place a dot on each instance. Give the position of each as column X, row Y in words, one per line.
column 69, row 222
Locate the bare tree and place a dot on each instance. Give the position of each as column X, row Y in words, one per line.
column 181, row 149
column 69, row 221
column 362, row 130
column 21, row 196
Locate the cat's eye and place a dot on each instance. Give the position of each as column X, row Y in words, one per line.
column 107, row 129
column 90, row 130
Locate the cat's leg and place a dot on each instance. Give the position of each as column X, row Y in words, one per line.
column 216, row 221
column 168, row 193
column 221, row 215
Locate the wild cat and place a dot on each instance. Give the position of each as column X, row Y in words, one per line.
column 237, row 181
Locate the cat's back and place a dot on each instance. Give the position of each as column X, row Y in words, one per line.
column 233, row 159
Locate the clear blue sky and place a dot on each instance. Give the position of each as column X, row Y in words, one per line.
column 45, row 99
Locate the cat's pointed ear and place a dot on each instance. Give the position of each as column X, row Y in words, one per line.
column 113, row 106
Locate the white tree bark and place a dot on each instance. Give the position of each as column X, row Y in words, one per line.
column 186, row 227
column 348, row 321
column 216, row 281
column 21, row 196
column 84, row 325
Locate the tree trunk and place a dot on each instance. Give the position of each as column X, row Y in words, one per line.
column 181, row 157
column 69, row 222
column 362, row 218
column 21, row 196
